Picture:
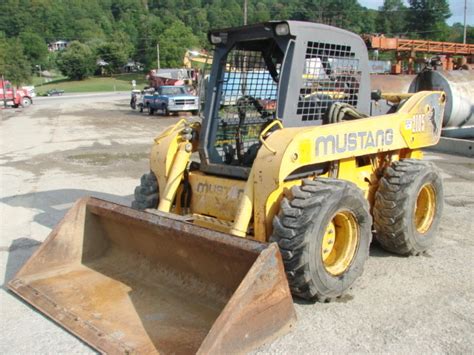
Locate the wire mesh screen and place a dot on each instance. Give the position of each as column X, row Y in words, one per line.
column 247, row 103
column 331, row 73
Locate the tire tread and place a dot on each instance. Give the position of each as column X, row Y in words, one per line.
column 292, row 222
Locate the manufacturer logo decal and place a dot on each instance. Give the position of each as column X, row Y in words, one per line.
column 349, row 142
column 233, row 192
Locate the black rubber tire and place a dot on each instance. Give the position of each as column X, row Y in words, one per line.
column 151, row 111
column 299, row 228
column 26, row 101
column 146, row 194
column 194, row 112
column 395, row 203
column 140, row 106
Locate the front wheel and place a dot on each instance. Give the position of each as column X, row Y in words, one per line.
column 165, row 110
column 324, row 232
column 150, row 111
column 146, row 194
column 26, row 101
column 408, row 207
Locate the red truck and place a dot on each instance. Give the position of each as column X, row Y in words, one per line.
column 171, row 77
column 13, row 97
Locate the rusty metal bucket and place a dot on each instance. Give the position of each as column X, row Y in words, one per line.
column 126, row 281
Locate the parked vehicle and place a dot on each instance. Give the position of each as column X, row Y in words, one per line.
column 171, row 99
column 54, row 92
column 171, row 77
column 30, row 89
column 133, row 99
column 14, row 97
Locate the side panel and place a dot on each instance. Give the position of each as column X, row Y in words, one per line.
column 215, row 196
column 416, row 125
column 326, row 61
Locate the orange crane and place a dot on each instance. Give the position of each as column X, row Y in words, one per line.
column 407, row 49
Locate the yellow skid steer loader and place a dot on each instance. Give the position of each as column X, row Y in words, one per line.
column 279, row 190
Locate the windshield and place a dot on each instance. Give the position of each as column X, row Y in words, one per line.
column 247, row 101
column 172, row 90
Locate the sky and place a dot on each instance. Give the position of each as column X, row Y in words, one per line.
column 456, row 6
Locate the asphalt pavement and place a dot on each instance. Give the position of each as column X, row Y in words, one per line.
column 79, row 97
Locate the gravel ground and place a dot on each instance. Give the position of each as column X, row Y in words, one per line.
column 60, row 150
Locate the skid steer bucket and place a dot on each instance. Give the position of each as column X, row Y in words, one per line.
column 126, row 281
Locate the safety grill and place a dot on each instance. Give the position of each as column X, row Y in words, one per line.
column 331, row 73
column 247, row 102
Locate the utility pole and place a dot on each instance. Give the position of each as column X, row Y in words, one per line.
column 465, row 24
column 245, row 11
column 4, row 92
column 158, row 55
column 40, row 74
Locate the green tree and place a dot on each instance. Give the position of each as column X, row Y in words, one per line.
column 427, row 19
column 174, row 42
column 457, row 33
column 35, row 48
column 139, row 24
column 77, row 61
column 13, row 63
column 391, row 18
column 115, row 54
column 87, row 29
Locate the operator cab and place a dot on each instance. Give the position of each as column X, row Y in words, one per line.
column 291, row 71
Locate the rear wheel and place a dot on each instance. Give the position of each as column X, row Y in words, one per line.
column 146, row 194
column 324, row 233
column 408, row 207
column 150, row 111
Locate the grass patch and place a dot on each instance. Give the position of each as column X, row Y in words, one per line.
column 120, row 82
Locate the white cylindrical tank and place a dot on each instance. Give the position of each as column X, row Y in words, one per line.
column 458, row 85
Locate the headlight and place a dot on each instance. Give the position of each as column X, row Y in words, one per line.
column 171, row 101
column 215, row 39
column 282, row 29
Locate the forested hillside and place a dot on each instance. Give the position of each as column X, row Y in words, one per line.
column 116, row 30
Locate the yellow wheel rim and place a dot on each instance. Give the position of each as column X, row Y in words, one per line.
column 425, row 208
column 340, row 243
